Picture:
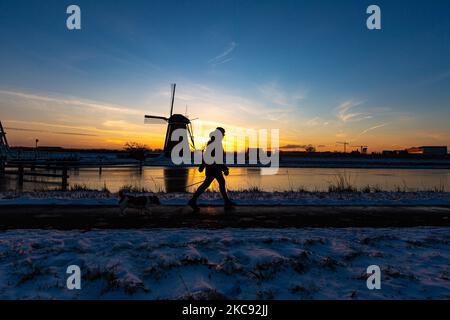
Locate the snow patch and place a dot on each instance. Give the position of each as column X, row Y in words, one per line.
column 242, row 198
column 226, row 263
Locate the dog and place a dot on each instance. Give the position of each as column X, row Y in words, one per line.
column 143, row 203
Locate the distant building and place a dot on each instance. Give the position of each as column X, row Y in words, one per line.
column 394, row 152
column 429, row 150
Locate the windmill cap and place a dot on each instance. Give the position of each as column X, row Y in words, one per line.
column 221, row 130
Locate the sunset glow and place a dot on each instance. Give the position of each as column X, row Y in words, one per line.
column 89, row 92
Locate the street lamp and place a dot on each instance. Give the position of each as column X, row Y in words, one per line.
column 35, row 151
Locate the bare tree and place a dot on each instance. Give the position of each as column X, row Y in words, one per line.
column 136, row 150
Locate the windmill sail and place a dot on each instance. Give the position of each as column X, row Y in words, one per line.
column 4, row 147
column 174, row 122
column 155, row 119
column 174, row 86
column 3, row 140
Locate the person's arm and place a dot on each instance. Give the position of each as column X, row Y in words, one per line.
column 224, row 168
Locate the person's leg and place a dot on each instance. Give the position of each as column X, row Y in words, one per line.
column 223, row 189
column 201, row 189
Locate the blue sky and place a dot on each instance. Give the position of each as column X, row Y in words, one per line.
column 310, row 68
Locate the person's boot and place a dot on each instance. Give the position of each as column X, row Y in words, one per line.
column 193, row 204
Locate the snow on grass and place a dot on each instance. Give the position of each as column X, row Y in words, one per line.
column 227, row 263
column 242, row 198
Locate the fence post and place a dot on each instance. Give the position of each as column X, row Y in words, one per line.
column 20, row 175
column 2, row 167
column 64, row 179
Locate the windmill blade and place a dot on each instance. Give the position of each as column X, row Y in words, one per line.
column 154, row 119
column 172, row 100
column 3, row 139
column 191, row 135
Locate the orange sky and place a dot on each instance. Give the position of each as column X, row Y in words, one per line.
column 77, row 123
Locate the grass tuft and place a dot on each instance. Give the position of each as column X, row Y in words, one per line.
column 342, row 183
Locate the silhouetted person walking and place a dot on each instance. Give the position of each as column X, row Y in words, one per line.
column 213, row 171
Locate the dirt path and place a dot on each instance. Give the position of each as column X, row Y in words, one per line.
column 107, row 217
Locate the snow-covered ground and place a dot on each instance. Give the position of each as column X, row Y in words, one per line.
column 227, row 263
column 242, row 198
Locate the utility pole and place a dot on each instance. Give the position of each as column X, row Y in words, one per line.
column 4, row 147
column 36, row 149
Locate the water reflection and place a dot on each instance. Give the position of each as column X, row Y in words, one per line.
column 176, row 179
column 187, row 179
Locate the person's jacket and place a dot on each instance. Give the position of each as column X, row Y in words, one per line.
column 215, row 168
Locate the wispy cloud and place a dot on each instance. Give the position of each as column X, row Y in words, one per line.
column 317, row 121
column 273, row 93
column 435, row 78
column 53, row 132
column 85, row 130
column 295, row 146
column 26, row 114
column 341, row 134
column 370, row 129
column 224, row 57
column 346, row 112
column 373, row 128
column 212, row 103
column 438, row 136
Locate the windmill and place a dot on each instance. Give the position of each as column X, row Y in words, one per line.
column 345, row 144
column 363, row 149
column 174, row 122
column 4, row 147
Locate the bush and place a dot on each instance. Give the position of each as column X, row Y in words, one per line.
column 136, row 150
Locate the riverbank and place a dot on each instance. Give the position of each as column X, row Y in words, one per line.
column 108, row 217
column 96, row 159
column 81, row 197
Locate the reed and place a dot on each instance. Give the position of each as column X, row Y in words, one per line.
column 342, row 183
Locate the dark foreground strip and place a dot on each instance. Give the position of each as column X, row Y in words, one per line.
column 107, row 217
column 227, row 309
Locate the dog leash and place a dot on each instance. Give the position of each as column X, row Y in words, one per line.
column 194, row 184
